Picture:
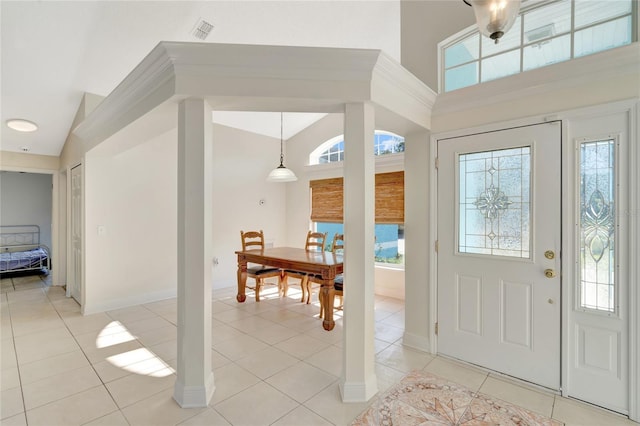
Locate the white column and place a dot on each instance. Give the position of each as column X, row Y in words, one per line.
column 418, row 247
column 194, row 383
column 358, row 382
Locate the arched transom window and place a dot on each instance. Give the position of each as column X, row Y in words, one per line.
column 332, row 150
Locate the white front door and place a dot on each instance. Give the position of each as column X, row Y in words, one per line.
column 499, row 240
column 75, row 275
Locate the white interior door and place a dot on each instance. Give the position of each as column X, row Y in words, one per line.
column 499, row 238
column 75, row 270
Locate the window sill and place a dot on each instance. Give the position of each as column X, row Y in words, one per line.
column 392, row 266
column 388, row 160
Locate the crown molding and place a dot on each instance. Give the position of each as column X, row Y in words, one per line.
column 392, row 82
column 154, row 76
column 261, row 78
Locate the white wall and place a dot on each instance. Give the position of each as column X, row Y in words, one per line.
column 242, row 162
column 356, row 24
column 132, row 195
column 25, row 199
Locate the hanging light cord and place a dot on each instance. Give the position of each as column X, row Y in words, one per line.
column 281, row 154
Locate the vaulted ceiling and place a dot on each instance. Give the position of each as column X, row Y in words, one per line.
column 53, row 52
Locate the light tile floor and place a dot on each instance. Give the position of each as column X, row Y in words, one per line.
column 273, row 364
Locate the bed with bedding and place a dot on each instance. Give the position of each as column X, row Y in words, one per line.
column 21, row 250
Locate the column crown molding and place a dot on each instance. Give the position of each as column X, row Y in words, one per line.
column 262, row 78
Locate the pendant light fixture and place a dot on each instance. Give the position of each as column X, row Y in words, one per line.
column 495, row 17
column 281, row 173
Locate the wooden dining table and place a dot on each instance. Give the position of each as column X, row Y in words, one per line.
column 325, row 265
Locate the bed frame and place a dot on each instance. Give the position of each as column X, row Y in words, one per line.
column 21, row 250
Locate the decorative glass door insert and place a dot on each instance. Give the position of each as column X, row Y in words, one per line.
column 494, row 208
column 597, row 225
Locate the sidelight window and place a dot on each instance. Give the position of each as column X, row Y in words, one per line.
column 597, row 225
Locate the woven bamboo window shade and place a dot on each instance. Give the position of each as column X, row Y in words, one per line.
column 327, row 200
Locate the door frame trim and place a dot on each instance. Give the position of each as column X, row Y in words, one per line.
column 55, row 199
column 433, row 200
column 632, row 108
column 69, row 236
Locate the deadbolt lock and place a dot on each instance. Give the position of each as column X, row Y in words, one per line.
column 549, row 273
column 549, row 254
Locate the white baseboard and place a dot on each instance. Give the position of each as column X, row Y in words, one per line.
column 138, row 299
column 415, row 341
column 223, row 284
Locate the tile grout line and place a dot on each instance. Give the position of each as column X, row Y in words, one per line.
column 474, row 397
column 15, row 355
column 103, row 384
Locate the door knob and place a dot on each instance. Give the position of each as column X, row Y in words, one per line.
column 549, row 273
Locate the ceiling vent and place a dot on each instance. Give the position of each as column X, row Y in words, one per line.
column 202, row 29
column 543, row 32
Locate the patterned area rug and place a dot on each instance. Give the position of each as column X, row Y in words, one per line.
column 425, row 399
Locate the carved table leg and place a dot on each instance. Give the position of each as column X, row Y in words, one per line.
column 242, row 280
column 328, row 293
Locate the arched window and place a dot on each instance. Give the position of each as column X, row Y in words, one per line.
column 332, row 150
column 389, row 232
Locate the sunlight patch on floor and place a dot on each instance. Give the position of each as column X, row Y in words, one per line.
column 141, row 361
column 113, row 334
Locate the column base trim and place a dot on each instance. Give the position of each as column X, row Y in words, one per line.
column 194, row 396
column 359, row 391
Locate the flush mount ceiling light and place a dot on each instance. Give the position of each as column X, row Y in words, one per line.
column 281, row 173
column 494, row 17
column 22, row 125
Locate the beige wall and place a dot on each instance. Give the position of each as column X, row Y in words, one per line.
column 389, row 282
column 17, row 161
column 73, row 150
column 425, row 23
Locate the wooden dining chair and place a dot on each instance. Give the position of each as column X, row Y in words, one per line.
column 337, row 246
column 254, row 240
column 315, row 242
